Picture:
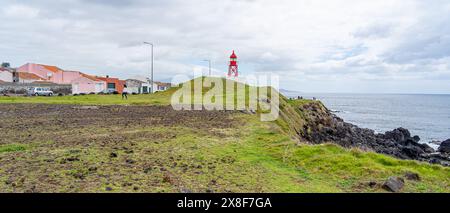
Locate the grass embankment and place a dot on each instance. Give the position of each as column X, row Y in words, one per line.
column 242, row 155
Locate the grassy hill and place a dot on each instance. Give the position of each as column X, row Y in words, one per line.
column 146, row 146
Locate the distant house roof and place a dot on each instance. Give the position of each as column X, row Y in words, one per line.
column 90, row 77
column 135, row 80
column 4, row 69
column 163, row 84
column 29, row 76
column 107, row 78
column 51, row 68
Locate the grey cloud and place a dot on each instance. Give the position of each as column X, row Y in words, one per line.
column 378, row 30
column 113, row 3
column 417, row 48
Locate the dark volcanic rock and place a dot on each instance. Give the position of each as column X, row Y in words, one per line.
column 394, row 184
column 322, row 126
column 398, row 135
column 412, row 176
column 113, row 155
column 445, row 146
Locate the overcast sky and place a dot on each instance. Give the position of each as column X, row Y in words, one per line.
column 382, row 46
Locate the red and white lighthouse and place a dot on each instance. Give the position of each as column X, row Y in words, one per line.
column 233, row 67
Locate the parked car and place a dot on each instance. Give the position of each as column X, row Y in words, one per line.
column 40, row 91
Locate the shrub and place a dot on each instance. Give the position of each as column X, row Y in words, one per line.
column 63, row 90
column 21, row 91
column 115, row 93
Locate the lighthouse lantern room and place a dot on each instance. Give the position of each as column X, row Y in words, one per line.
column 233, row 67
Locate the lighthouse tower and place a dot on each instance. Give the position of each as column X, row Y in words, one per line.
column 233, row 67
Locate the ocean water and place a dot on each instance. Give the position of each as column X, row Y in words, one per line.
column 427, row 116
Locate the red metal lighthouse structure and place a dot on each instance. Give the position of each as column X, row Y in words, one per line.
column 233, row 67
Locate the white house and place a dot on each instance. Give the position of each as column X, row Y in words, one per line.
column 142, row 85
column 87, row 84
column 6, row 75
column 160, row 86
column 138, row 86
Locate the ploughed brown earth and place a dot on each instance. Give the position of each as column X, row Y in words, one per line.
column 66, row 148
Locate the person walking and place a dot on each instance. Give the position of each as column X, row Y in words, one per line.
column 125, row 92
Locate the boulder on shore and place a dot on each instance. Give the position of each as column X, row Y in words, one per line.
column 445, row 146
column 323, row 126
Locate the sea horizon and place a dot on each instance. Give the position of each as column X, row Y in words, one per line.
column 287, row 93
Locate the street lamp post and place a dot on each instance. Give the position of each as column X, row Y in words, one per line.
column 209, row 61
column 151, row 75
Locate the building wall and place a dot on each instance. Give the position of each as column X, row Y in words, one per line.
column 37, row 69
column 158, row 88
column 65, row 77
column 85, row 85
column 6, row 76
column 26, row 81
column 119, row 84
column 134, row 86
column 58, row 77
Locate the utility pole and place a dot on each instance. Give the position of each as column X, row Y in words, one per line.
column 151, row 75
column 209, row 61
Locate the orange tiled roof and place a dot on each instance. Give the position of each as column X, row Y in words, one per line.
column 51, row 68
column 90, row 77
column 26, row 75
column 107, row 78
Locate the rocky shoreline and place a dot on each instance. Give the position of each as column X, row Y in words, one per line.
column 323, row 127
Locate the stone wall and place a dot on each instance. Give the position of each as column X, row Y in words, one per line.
column 21, row 88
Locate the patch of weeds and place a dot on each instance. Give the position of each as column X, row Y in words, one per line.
column 12, row 148
column 79, row 173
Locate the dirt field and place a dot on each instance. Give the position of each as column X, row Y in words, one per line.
column 48, row 148
column 74, row 148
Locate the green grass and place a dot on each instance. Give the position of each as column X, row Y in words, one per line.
column 142, row 99
column 254, row 156
column 12, row 148
column 289, row 167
